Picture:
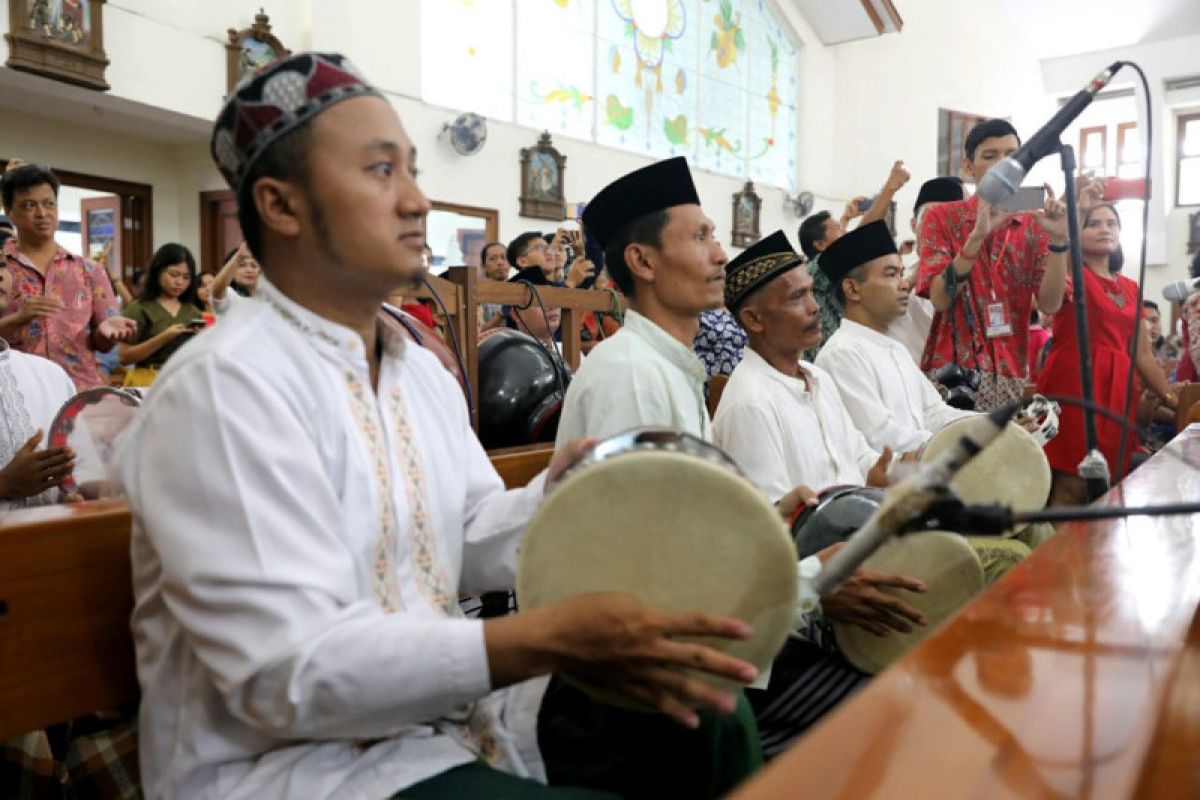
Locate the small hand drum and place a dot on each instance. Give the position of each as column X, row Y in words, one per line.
column 89, row 423
column 665, row 517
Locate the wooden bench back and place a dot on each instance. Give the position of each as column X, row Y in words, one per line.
column 65, row 590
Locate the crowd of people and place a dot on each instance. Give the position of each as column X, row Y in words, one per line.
column 298, row 619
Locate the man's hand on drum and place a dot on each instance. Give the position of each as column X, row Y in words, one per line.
column 617, row 641
column 860, row 600
column 565, row 456
column 877, row 476
column 795, row 500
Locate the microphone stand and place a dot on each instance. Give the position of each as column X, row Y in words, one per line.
column 993, row 518
column 1093, row 468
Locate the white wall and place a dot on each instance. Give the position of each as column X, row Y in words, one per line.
column 1167, row 231
column 959, row 56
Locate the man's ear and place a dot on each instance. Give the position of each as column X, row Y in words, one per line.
column 851, row 290
column 281, row 205
column 638, row 259
column 749, row 318
column 967, row 169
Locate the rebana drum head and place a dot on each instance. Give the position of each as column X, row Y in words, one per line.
column 945, row 563
column 1012, row 470
column 675, row 530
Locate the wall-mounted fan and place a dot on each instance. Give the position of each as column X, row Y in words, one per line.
column 800, row 205
column 467, row 134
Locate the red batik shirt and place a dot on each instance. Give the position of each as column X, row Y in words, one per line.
column 64, row 338
column 1008, row 270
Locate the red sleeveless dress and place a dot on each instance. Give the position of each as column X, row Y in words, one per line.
column 1111, row 312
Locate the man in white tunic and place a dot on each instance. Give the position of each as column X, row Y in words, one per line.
column 309, row 502
column 888, row 397
column 661, row 250
column 782, row 419
column 32, row 390
column 783, row 422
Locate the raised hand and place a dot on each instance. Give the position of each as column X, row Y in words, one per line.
column 897, row 178
column 987, row 220
column 34, row 307
column 117, row 329
column 1053, row 217
column 852, row 209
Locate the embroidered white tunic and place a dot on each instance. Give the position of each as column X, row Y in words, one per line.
column 639, row 376
column 299, row 546
column 783, row 433
column 888, row 397
column 32, row 390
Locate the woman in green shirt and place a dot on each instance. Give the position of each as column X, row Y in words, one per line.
column 165, row 312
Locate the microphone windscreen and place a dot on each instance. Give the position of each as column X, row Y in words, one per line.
column 1178, row 291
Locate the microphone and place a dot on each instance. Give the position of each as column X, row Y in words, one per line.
column 1001, row 181
column 913, row 499
column 1178, row 291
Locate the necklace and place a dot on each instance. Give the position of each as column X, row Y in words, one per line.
column 1112, row 288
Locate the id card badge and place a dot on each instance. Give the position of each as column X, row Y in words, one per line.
column 997, row 320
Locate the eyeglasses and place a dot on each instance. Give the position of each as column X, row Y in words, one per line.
column 32, row 205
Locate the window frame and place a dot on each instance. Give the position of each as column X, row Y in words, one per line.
column 1123, row 129
column 1182, row 120
column 1084, row 133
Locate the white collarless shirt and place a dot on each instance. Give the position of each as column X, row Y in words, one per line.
column 299, row 545
column 783, row 433
column 889, row 399
column 639, row 376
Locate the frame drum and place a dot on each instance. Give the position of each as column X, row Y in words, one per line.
column 949, row 568
column 90, row 423
column 665, row 517
column 1012, row 470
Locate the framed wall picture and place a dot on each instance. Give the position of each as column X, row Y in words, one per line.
column 251, row 49
column 60, row 39
column 746, row 207
column 542, row 168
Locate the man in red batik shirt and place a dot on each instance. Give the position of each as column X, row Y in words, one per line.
column 982, row 267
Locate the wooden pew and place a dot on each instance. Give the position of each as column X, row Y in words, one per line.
column 65, row 600
column 1075, row 675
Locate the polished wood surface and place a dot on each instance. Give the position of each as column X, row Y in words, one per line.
column 1075, row 675
column 65, row 600
column 519, row 465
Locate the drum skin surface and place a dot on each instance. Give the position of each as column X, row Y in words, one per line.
column 946, row 564
column 1012, row 470
column 674, row 530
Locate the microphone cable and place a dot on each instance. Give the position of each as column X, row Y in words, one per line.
column 555, row 359
column 458, row 356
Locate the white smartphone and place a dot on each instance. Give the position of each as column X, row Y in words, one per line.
column 1026, row 198
column 570, row 225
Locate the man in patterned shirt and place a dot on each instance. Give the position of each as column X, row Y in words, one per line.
column 982, row 267
column 62, row 307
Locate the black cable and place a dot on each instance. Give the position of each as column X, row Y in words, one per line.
column 462, row 366
column 1137, row 325
column 555, row 359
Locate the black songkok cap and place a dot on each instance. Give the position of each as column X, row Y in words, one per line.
column 939, row 190
column 654, row 188
column 758, row 265
column 853, row 249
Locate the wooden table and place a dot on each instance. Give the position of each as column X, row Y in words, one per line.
column 1076, row 675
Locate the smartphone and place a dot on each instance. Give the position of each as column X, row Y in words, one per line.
column 865, row 204
column 1123, row 188
column 1026, row 198
column 197, row 324
column 569, row 225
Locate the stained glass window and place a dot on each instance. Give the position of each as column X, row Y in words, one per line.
column 714, row 80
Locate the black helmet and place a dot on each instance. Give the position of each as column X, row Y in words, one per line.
column 521, row 388
column 842, row 510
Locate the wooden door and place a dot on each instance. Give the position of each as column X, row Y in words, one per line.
column 219, row 228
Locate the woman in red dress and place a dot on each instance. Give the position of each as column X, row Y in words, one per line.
column 1112, row 312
